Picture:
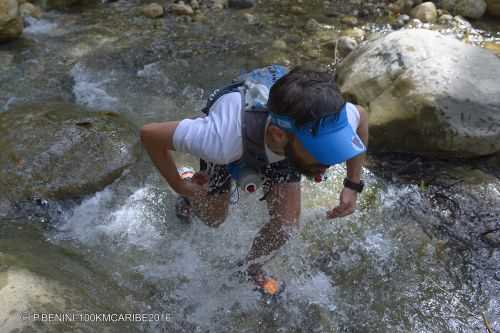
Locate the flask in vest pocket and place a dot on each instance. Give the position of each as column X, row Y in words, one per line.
column 249, row 181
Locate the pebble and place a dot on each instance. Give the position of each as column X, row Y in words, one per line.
column 312, row 25
column 297, row 10
column 350, row 20
column 152, row 10
column 181, row 9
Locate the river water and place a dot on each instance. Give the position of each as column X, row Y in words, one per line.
column 410, row 259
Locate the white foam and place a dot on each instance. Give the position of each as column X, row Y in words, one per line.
column 129, row 224
column 89, row 91
column 38, row 26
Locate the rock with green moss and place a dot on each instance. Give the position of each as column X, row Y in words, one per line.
column 59, row 151
column 427, row 94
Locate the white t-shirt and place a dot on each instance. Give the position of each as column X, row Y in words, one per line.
column 217, row 137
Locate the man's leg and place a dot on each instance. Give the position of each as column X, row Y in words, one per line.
column 212, row 209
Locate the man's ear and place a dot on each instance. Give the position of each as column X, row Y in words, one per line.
column 279, row 136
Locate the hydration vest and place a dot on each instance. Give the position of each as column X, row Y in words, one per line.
column 254, row 88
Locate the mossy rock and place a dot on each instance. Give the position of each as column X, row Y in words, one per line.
column 60, row 151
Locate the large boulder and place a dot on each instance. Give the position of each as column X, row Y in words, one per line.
column 426, row 93
column 494, row 7
column 469, row 8
column 59, row 151
column 11, row 23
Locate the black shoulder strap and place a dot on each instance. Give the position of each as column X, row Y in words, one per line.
column 215, row 95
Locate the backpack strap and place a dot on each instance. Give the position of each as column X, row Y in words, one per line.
column 216, row 94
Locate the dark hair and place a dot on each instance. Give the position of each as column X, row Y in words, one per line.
column 305, row 95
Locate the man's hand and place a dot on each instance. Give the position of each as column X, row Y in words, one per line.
column 346, row 206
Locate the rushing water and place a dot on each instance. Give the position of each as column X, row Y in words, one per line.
column 407, row 260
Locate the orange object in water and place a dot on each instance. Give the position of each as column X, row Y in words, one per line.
column 270, row 286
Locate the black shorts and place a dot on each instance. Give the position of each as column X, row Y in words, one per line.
column 274, row 173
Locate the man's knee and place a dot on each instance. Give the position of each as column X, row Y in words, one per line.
column 214, row 221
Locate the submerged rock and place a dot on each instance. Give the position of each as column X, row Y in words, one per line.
column 11, row 23
column 427, row 94
column 61, row 151
column 469, row 8
column 39, row 277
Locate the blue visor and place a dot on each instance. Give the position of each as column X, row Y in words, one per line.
column 330, row 140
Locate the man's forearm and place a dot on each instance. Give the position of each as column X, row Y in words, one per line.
column 355, row 165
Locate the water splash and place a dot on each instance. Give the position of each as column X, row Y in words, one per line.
column 89, row 91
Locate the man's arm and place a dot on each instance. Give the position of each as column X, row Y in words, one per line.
column 348, row 197
column 157, row 138
column 284, row 209
column 355, row 165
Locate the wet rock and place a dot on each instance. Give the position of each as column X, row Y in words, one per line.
column 297, row 10
column 152, row 10
column 492, row 237
column 241, row 4
column 493, row 7
column 346, row 45
column 28, row 9
column 279, row 44
column 36, row 276
column 181, row 9
column 312, row 25
column 445, row 19
column 194, row 4
column 409, row 81
column 469, row 8
column 219, row 4
column 350, row 20
column 405, row 6
column 401, row 21
column 11, row 23
column 426, row 12
column 249, row 18
column 356, row 33
column 62, row 151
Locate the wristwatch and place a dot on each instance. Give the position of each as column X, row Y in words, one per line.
column 358, row 187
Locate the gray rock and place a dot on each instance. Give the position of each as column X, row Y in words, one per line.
column 346, row 45
column 181, row 9
column 241, row 4
column 445, row 19
column 312, row 25
column 469, row 8
column 401, row 21
column 427, row 94
column 426, row 12
column 152, row 10
column 11, row 23
column 61, row 151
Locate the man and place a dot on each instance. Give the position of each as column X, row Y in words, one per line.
column 304, row 128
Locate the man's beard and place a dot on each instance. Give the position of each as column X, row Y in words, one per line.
column 296, row 163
